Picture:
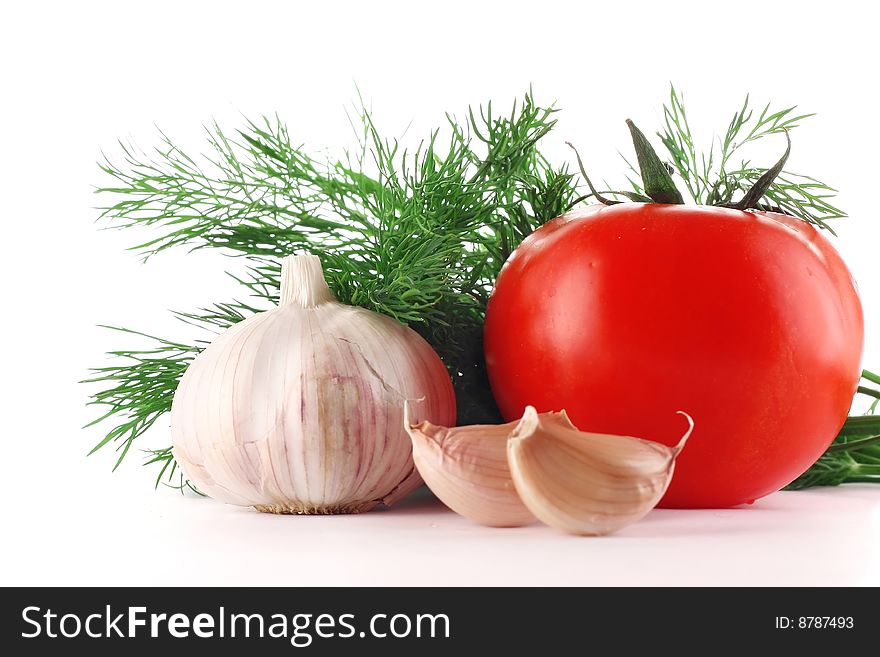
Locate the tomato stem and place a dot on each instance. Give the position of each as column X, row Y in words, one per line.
column 757, row 191
column 656, row 178
column 604, row 200
column 659, row 186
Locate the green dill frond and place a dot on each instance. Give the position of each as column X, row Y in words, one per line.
column 138, row 390
column 170, row 473
column 720, row 176
column 417, row 235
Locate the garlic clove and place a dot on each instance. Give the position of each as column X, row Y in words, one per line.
column 587, row 483
column 466, row 468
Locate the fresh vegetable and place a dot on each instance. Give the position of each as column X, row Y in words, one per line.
column 625, row 313
column 542, row 467
column 466, row 468
column 300, row 409
column 418, row 235
column 587, row 483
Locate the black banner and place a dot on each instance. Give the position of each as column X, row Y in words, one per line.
column 433, row 621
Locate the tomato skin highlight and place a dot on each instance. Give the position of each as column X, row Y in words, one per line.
column 624, row 314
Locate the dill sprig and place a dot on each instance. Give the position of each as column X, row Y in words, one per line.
column 417, row 235
column 720, row 175
column 139, row 389
column 169, row 473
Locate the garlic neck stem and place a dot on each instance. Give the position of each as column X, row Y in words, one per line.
column 302, row 282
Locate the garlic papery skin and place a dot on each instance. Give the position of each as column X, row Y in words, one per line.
column 300, row 409
column 587, row 483
column 466, row 468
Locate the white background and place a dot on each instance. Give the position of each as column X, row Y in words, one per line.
column 75, row 77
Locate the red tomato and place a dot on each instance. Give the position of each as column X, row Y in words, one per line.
column 623, row 315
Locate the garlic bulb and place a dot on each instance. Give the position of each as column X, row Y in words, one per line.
column 587, row 483
column 300, row 409
column 466, row 468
